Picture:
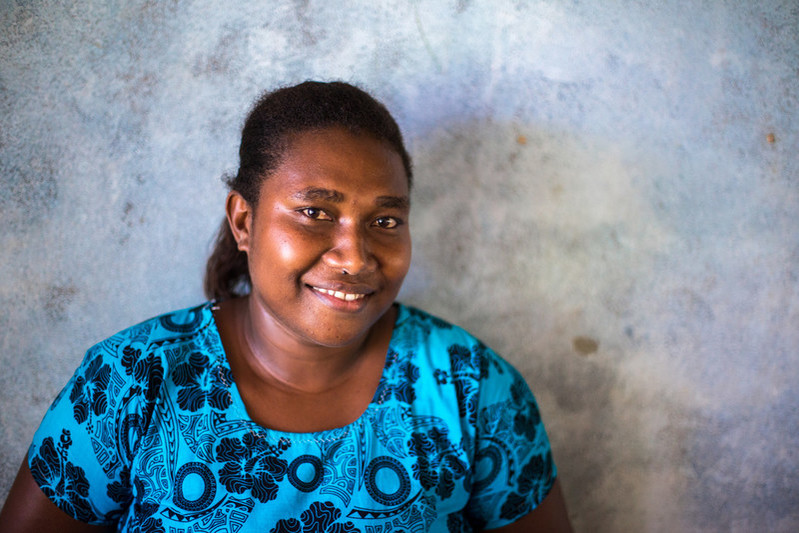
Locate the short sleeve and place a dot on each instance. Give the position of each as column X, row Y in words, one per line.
column 513, row 466
column 80, row 454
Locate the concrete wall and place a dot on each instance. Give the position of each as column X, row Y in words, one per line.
column 607, row 193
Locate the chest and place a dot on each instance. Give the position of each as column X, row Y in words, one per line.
column 392, row 468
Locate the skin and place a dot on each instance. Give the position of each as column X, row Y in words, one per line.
column 331, row 218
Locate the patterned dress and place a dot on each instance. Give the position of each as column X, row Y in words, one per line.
column 151, row 433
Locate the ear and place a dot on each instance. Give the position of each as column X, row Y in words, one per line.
column 239, row 218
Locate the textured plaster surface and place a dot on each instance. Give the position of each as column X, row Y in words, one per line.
column 607, row 193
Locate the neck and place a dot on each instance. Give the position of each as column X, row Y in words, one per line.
column 276, row 356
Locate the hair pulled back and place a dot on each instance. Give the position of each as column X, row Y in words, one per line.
column 265, row 137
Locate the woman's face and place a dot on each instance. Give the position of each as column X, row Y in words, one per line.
column 328, row 244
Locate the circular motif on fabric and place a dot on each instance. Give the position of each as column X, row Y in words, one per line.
column 195, row 487
column 387, row 481
column 196, row 316
column 305, row 473
column 489, row 462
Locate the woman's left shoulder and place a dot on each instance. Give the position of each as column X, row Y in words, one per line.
column 414, row 321
column 427, row 333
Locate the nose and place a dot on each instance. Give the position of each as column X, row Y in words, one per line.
column 351, row 251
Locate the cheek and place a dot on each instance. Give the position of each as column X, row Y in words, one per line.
column 288, row 252
column 398, row 262
column 279, row 253
column 296, row 251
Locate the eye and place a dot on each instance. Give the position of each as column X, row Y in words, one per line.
column 315, row 213
column 387, row 222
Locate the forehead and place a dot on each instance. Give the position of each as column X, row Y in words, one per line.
column 335, row 158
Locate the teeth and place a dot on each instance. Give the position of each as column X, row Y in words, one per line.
column 341, row 295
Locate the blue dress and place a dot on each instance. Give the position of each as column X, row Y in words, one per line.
column 151, row 433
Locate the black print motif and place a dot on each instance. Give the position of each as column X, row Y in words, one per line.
column 306, row 485
column 427, row 322
column 209, row 487
column 119, row 491
column 200, row 463
column 200, row 384
column 319, row 518
column 89, row 391
column 491, row 455
column 249, row 465
column 437, row 464
column 464, row 376
column 377, row 493
column 402, row 381
column 146, row 371
column 528, row 419
column 195, row 319
column 535, row 477
column 145, row 518
column 61, row 481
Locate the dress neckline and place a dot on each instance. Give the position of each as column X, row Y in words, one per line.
column 238, row 409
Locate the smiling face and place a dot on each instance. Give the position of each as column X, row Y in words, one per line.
column 328, row 243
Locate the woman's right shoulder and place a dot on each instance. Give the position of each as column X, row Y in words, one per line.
column 177, row 333
column 166, row 328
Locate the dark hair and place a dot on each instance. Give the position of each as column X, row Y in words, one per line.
column 265, row 137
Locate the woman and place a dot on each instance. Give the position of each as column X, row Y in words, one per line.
column 302, row 397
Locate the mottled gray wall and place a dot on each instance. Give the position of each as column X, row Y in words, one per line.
column 607, row 193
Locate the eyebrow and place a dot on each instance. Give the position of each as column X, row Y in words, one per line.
column 310, row 194
column 318, row 193
column 393, row 202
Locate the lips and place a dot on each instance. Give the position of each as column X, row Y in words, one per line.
column 341, row 295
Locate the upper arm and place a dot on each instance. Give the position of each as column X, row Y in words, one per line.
column 80, row 455
column 549, row 516
column 27, row 509
column 513, row 467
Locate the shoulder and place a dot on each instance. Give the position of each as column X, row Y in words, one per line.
column 169, row 329
column 416, row 328
column 426, row 334
column 139, row 350
column 171, row 326
column 137, row 358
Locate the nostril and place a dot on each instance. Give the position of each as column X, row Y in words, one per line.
column 350, row 254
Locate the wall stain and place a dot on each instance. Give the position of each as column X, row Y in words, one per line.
column 585, row 345
column 307, row 26
column 222, row 57
column 130, row 219
column 28, row 193
column 462, row 6
column 57, row 299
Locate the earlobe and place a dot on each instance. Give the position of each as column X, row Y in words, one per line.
column 239, row 217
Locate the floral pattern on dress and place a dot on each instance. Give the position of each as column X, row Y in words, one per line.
column 537, row 469
column 200, row 384
column 150, row 436
column 250, row 465
column 89, row 391
column 401, row 383
column 320, row 517
column 63, row 483
column 147, row 371
column 145, row 513
column 438, row 464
